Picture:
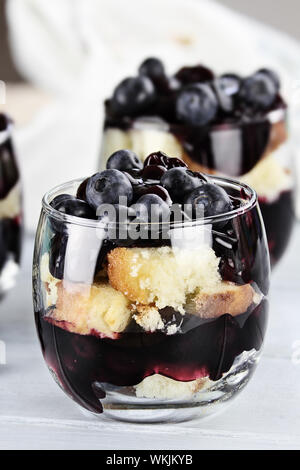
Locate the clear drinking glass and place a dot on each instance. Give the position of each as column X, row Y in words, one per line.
column 10, row 208
column 162, row 328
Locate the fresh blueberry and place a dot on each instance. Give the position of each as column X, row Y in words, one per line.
column 258, row 91
column 107, row 187
column 196, row 105
column 151, row 208
column 152, row 68
column 124, row 160
column 67, row 204
column 179, row 182
column 272, row 75
column 196, row 74
column 132, row 95
column 230, row 83
column 208, row 200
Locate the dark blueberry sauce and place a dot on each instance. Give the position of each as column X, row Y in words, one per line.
column 203, row 348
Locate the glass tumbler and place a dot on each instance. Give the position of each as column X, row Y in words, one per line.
column 161, row 327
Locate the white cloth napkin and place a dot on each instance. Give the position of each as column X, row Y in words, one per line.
column 80, row 49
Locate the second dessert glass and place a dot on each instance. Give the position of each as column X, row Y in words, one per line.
column 240, row 132
column 162, row 329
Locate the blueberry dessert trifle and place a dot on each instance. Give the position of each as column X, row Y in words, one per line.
column 222, row 125
column 150, row 288
column 10, row 208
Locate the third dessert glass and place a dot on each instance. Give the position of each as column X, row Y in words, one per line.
column 151, row 318
column 10, row 208
column 222, row 125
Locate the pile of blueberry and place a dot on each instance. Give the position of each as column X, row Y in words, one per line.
column 160, row 183
column 194, row 95
column 148, row 191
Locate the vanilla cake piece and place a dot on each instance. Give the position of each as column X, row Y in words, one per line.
column 90, row 309
column 162, row 276
column 82, row 308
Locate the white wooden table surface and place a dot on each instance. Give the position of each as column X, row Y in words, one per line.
column 35, row 414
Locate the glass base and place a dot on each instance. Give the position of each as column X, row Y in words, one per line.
column 121, row 404
column 171, row 415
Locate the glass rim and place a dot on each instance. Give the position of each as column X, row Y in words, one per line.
column 66, row 218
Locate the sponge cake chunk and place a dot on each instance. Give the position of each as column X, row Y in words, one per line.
column 96, row 309
column 162, row 276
